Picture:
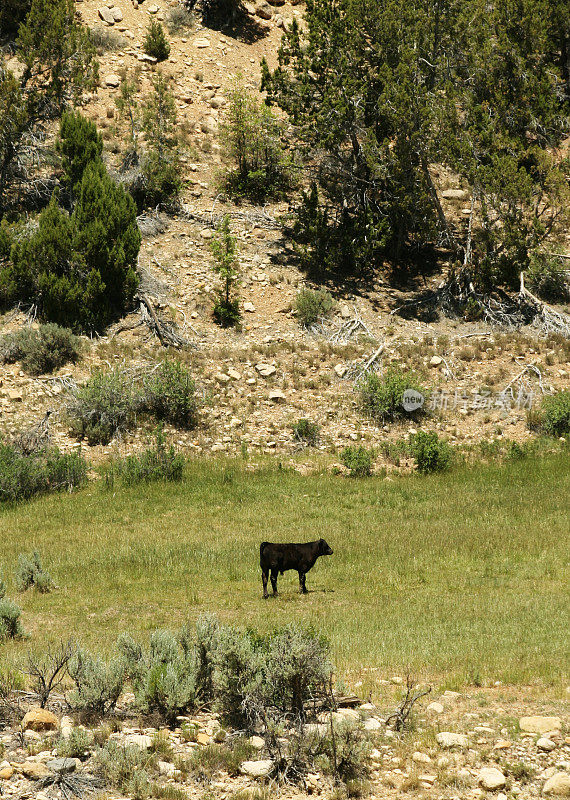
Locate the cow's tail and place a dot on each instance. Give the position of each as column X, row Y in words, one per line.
column 262, row 548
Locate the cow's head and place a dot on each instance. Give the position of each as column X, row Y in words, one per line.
column 324, row 549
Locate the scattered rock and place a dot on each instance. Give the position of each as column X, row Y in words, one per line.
column 263, row 10
column 257, row 769
column 249, row 307
column 435, row 708
column 340, row 370
column 546, row 744
column 201, row 43
column 435, row 361
column 62, row 766
column 117, row 14
column 153, row 9
column 234, row 375
column 491, row 778
column 6, row 771
column 421, row 758
column 540, row 724
column 35, row 770
column 502, row 744
column 257, row 741
column 106, row 15
column 447, row 740
column 558, row 785
column 40, row 719
column 112, row 81
column 207, row 233
column 221, row 377
column 454, row 194
column 166, row 768
column 265, row 369
column 15, row 396
column 203, row 738
column 345, row 311
column 372, row 724
column 141, row 741
column 277, row 396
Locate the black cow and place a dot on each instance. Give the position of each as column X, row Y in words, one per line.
column 277, row 558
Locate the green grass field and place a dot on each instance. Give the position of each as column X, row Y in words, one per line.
column 461, row 577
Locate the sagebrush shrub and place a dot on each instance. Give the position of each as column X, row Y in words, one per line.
column 297, row 668
column 105, row 405
column 31, row 574
column 153, row 464
column 358, row 460
column 23, row 476
column 556, row 414
column 169, row 394
column 98, row 682
column 381, row 396
column 118, row 764
column 10, row 624
column 306, row 432
column 155, row 43
column 76, row 745
column 40, row 350
column 163, row 676
column 237, row 673
column 431, row 453
column 313, row 305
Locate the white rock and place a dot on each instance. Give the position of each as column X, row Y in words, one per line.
column 142, row 741
column 421, row 758
column 201, row 43
column 277, row 396
column 491, row 778
column 454, row 194
column 106, row 15
column 546, row 744
column 558, row 785
column 447, row 740
column 435, row 361
column 435, row 708
column 540, row 724
column 345, row 311
column 265, row 369
column 112, row 80
column 372, row 724
column 249, row 307
column 257, row 769
column 117, row 14
column 257, row 741
column 340, row 370
column 166, row 768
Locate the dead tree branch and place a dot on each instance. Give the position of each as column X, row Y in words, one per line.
column 400, row 717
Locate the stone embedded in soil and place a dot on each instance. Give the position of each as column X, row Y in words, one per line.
column 435, row 708
column 257, row 769
column 558, row 785
column 491, row 778
column 40, row 719
column 265, row 369
column 106, row 15
column 540, row 724
column 447, row 740
column 546, row 744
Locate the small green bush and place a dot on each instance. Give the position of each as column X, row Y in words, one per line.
column 169, row 395
column 98, row 682
column 207, row 761
column 10, row 625
column 358, row 460
column 76, row 745
column 30, row 574
column 298, row 667
column 547, row 277
column 556, row 414
column 306, row 432
column 163, row 676
column 105, row 405
column 179, row 18
column 155, row 43
column 118, row 766
column 40, row 350
column 381, row 396
column 153, row 464
column 251, row 137
column 237, row 674
column 431, row 453
column 24, row 476
column 313, row 305
column 79, row 144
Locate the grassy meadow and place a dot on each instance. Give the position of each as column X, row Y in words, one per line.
column 460, row 577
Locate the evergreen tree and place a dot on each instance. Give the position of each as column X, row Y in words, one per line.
column 58, row 66
column 79, row 270
column 226, row 309
column 79, row 143
column 161, row 164
column 155, row 43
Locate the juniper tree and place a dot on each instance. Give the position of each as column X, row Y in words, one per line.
column 160, row 165
column 58, row 65
column 80, row 144
column 226, row 309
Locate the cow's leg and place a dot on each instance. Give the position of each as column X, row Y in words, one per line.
column 274, row 574
column 264, row 577
column 302, row 587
